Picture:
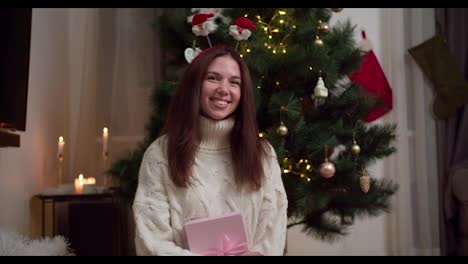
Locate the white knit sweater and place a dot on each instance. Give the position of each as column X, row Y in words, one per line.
column 161, row 209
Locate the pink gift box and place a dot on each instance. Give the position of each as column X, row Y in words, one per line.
column 223, row 235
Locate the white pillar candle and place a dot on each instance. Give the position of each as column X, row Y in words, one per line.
column 105, row 141
column 79, row 184
column 89, row 185
column 61, row 144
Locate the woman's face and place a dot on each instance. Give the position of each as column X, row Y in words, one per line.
column 221, row 88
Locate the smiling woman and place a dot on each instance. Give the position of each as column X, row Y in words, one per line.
column 221, row 91
column 210, row 162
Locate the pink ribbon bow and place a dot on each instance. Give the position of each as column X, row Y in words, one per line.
column 228, row 248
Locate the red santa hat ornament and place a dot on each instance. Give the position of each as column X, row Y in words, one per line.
column 201, row 26
column 241, row 28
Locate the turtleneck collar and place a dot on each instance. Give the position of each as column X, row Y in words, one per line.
column 216, row 133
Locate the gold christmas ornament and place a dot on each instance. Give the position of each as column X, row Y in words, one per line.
column 320, row 90
column 356, row 149
column 318, row 41
column 282, row 130
column 327, row 169
column 323, row 26
column 364, row 182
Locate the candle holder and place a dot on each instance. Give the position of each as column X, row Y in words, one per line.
column 106, row 168
column 61, row 144
column 60, row 169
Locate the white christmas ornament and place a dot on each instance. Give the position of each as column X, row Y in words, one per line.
column 191, row 53
column 320, row 90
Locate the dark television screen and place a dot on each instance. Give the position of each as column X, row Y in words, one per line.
column 15, row 39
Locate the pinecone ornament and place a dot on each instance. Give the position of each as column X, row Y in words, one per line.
column 364, row 182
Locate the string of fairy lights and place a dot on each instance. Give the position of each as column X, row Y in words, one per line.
column 276, row 33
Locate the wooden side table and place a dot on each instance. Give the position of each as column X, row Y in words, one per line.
column 92, row 223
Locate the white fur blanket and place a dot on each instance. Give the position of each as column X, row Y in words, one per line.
column 13, row 244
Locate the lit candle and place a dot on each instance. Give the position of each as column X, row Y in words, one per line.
column 89, row 185
column 90, row 180
column 61, row 144
column 105, row 139
column 79, row 184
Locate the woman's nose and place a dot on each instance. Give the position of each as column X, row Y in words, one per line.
column 222, row 89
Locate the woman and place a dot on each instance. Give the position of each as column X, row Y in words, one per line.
column 210, row 161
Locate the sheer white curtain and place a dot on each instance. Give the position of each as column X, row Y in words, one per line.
column 413, row 224
column 113, row 66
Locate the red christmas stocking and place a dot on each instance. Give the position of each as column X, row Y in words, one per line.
column 372, row 78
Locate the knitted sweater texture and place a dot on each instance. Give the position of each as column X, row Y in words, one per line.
column 160, row 208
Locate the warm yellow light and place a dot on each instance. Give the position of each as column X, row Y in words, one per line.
column 258, row 17
column 241, row 55
column 274, row 51
column 281, row 12
column 269, row 47
column 248, row 50
column 281, row 21
column 246, row 15
column 308, row 179
column 310, row 67
column 277, row 83
column 261, row 134
column 90, row 180
column 275, row 30
column 294, row 26
column 266, row 44
column 308, row 167
column 302, row 175
column 284, row 50
column 270, row 36
column 61, row 139
column 105, row 130
column 265, row 29
column 258, row 86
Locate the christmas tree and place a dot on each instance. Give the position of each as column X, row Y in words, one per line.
column 313, row 117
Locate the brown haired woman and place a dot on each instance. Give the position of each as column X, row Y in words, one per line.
column 210, row 161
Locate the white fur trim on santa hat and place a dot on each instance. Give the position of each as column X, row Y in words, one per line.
column 243, row 35
column 204, row 28
column 365, row 44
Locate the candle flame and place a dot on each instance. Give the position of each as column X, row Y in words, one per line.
column 91, row 180
column 105, row 130
column 61, row 139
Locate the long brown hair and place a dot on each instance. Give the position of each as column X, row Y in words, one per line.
column 183, row 129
